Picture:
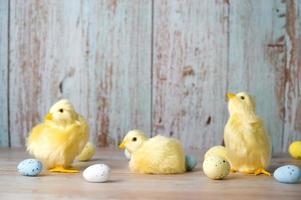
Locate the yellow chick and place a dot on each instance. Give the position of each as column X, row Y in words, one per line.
column 157, row 155
column 61, row 137
column 248, row 146
column 87, row 153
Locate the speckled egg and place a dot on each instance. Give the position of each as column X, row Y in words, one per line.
column 127, row 154
column 295, row 149
column 190, row 162
column 287, row 174
column 30, row 167
column 97, row 173
column 87, row 153
column 216, row 151
column 216, row 167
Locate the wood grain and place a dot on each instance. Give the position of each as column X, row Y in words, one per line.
column 257, row 59
column 4, row 15
column 95, row 53
column 292, row 120
column 119, row 92
column 35, row 54
column 190, row 70
column 125, row 185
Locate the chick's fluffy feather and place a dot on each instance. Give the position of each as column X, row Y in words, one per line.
column 159, row 155
column 246, row 139
column 248, row 146
column 58, row 145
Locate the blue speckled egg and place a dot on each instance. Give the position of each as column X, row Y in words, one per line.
column 30, row 167
column 191, row 162
column 287, row 174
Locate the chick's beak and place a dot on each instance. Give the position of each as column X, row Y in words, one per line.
column 122, row 145
column 231, row 95
column 48, row 116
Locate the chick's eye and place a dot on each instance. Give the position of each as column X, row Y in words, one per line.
column 242, row 97
column 61, row 110
column 134, row 139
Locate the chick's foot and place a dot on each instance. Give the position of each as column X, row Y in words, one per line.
column 62, row 169
column 262, row 171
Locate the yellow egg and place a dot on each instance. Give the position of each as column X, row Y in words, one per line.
column 216, row 167
column 216, row 150
column 295, row 149
column 87, row 153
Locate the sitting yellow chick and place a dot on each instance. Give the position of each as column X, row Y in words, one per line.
column 61, row 137
column 248, row 146
column 157, row 155
column 87, row 153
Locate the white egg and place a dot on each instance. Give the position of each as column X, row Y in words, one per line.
column 127, row 154
column 97, row 173
column 216, row 167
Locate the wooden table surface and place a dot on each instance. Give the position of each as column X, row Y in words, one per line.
column 125, row 185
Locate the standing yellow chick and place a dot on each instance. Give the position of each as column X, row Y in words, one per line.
column 247, row 142
column 157, row 155
column 61, row 137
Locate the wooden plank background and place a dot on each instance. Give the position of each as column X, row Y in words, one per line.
column 157, row 65
column 95, row 53
column 4, row 9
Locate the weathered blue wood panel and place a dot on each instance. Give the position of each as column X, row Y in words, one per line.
column 155, row 65
column 292, row 120
column 4, row 12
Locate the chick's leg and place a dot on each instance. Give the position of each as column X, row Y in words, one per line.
column 262, row 171
column 62, row 169
column 248, row 171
